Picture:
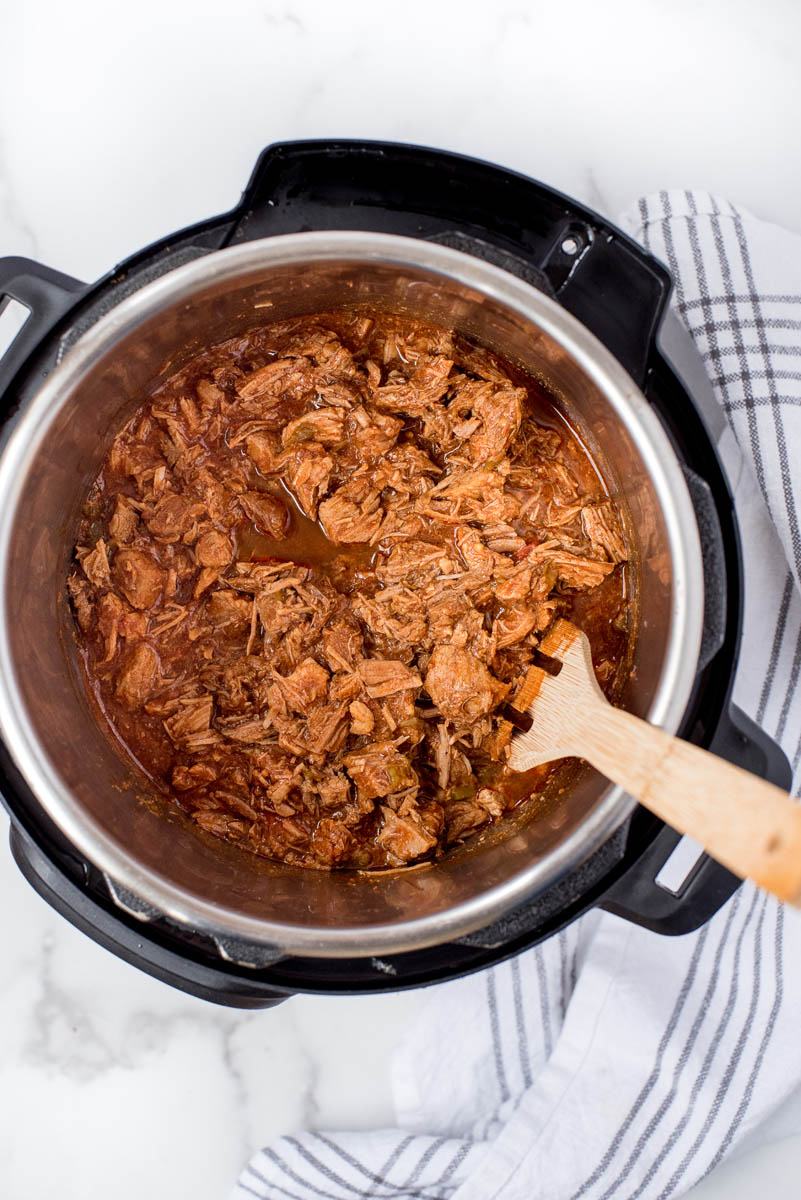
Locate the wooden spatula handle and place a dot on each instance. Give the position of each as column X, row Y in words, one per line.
column 745, row 823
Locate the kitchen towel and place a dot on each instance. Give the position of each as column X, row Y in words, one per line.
column 610, row 1062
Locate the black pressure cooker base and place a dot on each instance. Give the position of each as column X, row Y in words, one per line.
column 619, row 877
column 620, row 293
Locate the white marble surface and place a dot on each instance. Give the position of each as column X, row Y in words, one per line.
column 119, row 124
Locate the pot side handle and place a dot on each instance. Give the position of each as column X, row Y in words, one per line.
column 47, row 294
column 637, row 896
column 121, row 933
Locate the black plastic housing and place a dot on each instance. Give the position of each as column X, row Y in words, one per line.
column 619, row 292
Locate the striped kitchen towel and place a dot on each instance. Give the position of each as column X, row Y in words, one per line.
column 610, row 1062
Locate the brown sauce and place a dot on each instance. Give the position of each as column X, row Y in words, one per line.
column 305, row 543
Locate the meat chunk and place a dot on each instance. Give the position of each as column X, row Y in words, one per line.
column 325, row 426
column 216, row 497
column 379, row 770
column 524, row 581
column 462, row 625
column 328, row 727
column 397, row 614
column 352, row 514
column 500, row 414
column 138, row 578
column 602, row 527
column 268, row 513
column 95, row 565
column 306, row 685
column 407, row 470
column 133, row 458
column 332, row 841
column 80, row 595
column 208, row 394
column 514, row 623
column 248, row 732
column 575, row 571
column 265, row 387
column 173, row 517
column 470, row 496
column 464, row 817
column 137, row 677
column 213, row 549
column 414, row 562
column 109, row 615
column 264, row 449
column 461, row 686
column 475, row 553
column 307, row 470
column 491, row 800
column 184, row 778
column 115, row 620
column 415, row 396
column 413, row 343
column 189, row 725
column 383, row 677
column 404, row 837
column 362, row 720
column 342, row 642
column 226, row 608
column 372, row 434
column 124, row 523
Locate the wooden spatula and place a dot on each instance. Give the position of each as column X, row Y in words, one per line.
column 750, row 826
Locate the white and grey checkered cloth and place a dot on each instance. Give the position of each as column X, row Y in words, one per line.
column 609, row 1061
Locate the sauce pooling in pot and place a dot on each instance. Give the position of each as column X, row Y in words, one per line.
column 315, row 567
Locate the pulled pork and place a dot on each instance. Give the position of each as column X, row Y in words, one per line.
column 314, row 570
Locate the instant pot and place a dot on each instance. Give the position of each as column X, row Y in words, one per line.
column 529, row 273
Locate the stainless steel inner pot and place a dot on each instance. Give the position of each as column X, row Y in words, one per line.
column 53, row 454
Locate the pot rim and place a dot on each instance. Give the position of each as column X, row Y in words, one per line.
column 649, row 437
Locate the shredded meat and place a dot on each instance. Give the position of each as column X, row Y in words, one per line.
column 138, row 578
column 266, row 512
column 381, row 678
column 405, row 838
column 307, row 684
column 352, row 514
column 461, row 686
column 173, row 517
column 599, row 522
column 307, row 470
column 379, row 770
column 123, row 524
column 326, row 426
column 214, row 549
column 314, row 570
column 136, row 677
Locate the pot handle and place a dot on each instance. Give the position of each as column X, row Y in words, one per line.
column 121, row 934
column 46, row 293
column 638, row 897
